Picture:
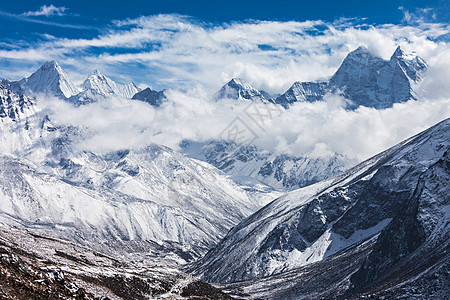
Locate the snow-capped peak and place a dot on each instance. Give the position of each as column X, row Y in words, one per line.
column 102, row 85
column 50, row 64
column 411, row 63
column 238, row 89
column 49, row 79
column 374, row 82
column 301, row 92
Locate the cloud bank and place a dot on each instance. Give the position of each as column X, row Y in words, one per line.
column 317, row 129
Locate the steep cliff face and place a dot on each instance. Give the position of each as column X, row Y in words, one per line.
column 373, row 82
column 365, row 80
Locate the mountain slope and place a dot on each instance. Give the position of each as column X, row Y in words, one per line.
column 22, row 123
column 148, row 194
column 407, row 184
column 152, row 194
column 49, row 79
column 13, row 107
column 36, row 266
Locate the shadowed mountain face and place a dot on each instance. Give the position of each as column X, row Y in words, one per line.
column 364, row 80
column 396, row 203
column 373, row 82
column 154, row 98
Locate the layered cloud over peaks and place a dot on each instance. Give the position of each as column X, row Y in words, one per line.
column 167, row 51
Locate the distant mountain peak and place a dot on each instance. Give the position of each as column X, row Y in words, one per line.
column 303, row 92
column 100, row 85
column 154, row 98
column 97, row 72
column 361, row 49
column 362, row 56
column 240, row 82
column 365, row 79
column 411, row 63
column 239, row 89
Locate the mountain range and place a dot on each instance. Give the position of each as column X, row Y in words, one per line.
column 363, row 79
column 51, row 80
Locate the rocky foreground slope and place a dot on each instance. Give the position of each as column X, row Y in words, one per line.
column 36, row 266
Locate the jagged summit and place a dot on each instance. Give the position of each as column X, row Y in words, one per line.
column 50, row 64
column 51, row 79
column 99, row 83
column 374, row 82
column 102, row 85
column 365, row 80
column 412, row 65
column 239, row 89
column 154, row 98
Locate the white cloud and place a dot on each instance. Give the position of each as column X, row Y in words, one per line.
column 47, row 11
column 319, row 128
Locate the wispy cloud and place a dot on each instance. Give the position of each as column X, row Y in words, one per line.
column 31, row 19
column 47, row 11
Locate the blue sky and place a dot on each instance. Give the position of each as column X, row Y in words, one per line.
column 185, row 43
